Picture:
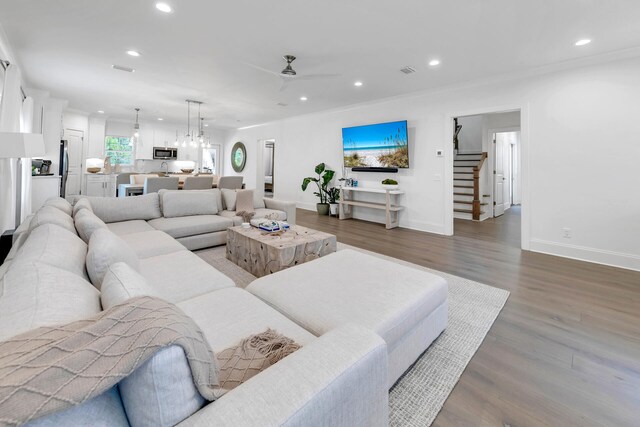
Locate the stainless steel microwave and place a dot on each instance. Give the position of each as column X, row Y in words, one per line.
column 163, row 153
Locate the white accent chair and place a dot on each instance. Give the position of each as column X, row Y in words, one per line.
column 198, row 183
column 230, row 182
column 155, row 184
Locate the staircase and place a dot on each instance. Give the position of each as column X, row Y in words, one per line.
column 468, row 202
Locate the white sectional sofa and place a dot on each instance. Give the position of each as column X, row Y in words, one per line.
column 54, row 275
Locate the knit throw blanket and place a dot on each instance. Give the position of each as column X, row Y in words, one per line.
column 50, row 369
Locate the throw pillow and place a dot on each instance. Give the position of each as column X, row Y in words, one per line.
column 229, row 198
column 258, row 200
column 83, row 203
column 244, row 201
column 105, row 410
column 251, row 356
column 105, row 248
column 86, row 223
column 161, row 392
column 120, row 283
column 60, row 203
column 51, row 215
column 177, row 203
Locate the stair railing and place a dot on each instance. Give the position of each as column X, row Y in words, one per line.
column 477, row 196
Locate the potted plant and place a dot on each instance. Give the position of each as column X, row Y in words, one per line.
column 390, row 184
column 322, row 181
column 333, row 194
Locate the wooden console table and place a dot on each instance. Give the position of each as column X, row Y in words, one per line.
column 392, row 210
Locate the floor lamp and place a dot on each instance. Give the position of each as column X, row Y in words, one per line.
column 20, row 146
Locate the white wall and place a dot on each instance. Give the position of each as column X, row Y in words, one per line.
column 471, row 135
column 578, row 145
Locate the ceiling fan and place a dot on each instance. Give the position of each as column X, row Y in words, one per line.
column 288, row 74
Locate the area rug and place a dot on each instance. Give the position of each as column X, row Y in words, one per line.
column 418, row 396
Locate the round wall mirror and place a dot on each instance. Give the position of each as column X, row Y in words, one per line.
column 238, row 156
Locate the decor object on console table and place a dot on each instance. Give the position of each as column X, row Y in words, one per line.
column 322, row 181
column 262, row 253
column 392, row 217
column 390, row 184
column 333, row 194
column 238, row 156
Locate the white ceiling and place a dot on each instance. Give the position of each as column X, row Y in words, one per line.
column 200, row 51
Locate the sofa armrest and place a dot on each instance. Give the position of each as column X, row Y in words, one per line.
column 288, row 207
column 339, row 379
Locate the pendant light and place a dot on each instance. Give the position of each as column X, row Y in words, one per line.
column 176, row 143
column 136, row 127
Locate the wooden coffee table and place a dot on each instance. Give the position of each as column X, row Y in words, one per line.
column 262, row 253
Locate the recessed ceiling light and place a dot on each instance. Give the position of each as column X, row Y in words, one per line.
column 133, row 53
column 303, row 98
column 357, row 84
column 163, row 7
column 160, row 119
column 206, row 125
column 100, row 112
column 434, row 62
column 583, row 42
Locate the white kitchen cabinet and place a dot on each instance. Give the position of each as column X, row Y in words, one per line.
column 99, row 185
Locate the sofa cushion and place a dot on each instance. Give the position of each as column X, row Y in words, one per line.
column 51, row 215
column 82, row 203
column 128, row 227
column 228, row 315
column 237, row 220
column 161, row 392
column 271, row 213
column 191, row 225
column 59, row 203
column 86, row 223
column 56, row 246
column 177, row 203
column 120, row 283
column 244, row 201
column 229, row 199
column 105, row 248
column 35, row 294
column 116, row 209
column 105, row 410
column 152, row 243
column 258, row 200
column 182, row 275
column 16, row 245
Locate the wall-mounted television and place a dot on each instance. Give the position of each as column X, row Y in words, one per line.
column 382, row 145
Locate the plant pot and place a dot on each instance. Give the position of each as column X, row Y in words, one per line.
column 322, row 208
column 333, row 208
column 390, row 186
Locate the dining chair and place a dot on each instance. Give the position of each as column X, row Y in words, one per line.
column 230, row 182
column 153, row 185
column 198, row 183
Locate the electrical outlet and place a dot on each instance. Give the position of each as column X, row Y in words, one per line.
column 437, row 177
column 567, row 233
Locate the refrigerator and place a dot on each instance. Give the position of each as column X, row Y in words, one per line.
column 64, row 167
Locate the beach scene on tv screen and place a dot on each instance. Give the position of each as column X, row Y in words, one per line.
column 379, row 145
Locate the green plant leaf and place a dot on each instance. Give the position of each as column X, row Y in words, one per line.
column 305, row 183
column 320, row 168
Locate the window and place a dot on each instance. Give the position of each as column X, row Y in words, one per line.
column 119, row 149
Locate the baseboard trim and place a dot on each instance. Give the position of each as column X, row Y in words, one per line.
column 584, row 253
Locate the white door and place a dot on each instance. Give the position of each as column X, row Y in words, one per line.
column 74, row 138
column 502, row 185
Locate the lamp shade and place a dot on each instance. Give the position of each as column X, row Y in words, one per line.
column 16, row 145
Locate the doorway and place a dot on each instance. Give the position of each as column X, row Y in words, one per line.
column 210, row 162
column 486, row 169
column 268, row 158
column 74, row 148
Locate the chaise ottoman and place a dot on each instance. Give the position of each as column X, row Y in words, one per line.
column 407, row 307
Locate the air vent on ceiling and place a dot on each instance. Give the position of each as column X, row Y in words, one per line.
column 408, row 70
column 281, row 104
column 121, row 68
